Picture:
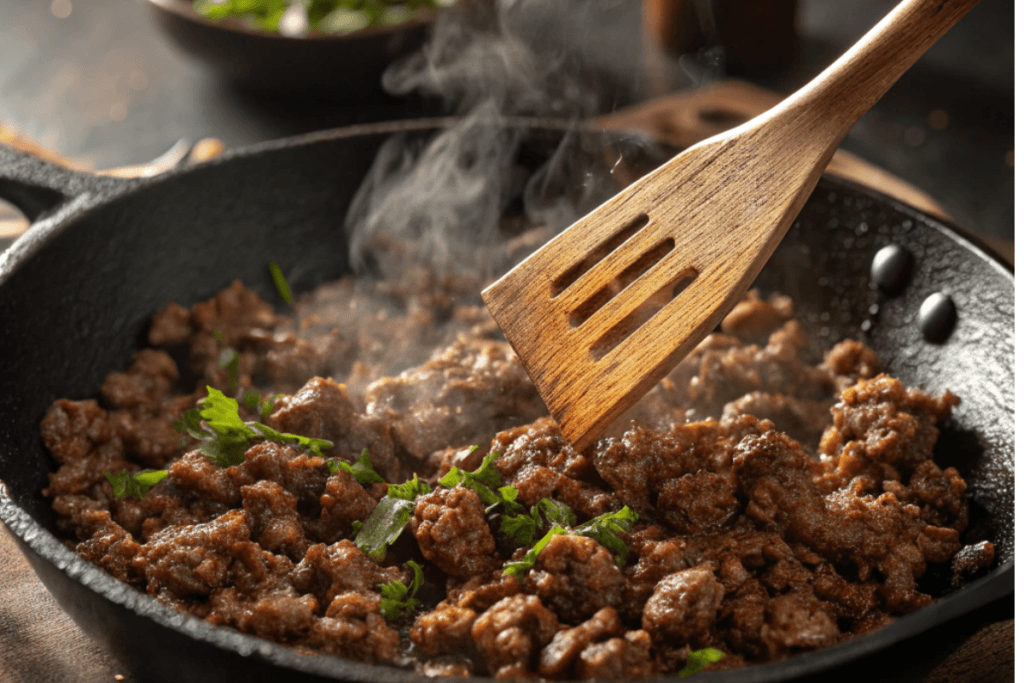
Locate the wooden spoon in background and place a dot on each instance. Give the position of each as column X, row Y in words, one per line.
column 608, row 307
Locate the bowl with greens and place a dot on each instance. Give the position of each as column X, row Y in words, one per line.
column 335, row 49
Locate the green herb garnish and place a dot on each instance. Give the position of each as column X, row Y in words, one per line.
column 361, row 469
column 518, row 568
column 137, row 485
column 252, row 400
column 557, row 513
column 328, row 16
column 398, row 599
column 383, row 526
column 522, row 528
column 282, row 285
column 698, row 659
column 485, row 481
column 409, row 490
column 606, row 530
column 224, row 436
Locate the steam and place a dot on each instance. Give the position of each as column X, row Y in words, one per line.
column 438, row 204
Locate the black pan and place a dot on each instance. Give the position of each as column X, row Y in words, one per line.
column 77, row 290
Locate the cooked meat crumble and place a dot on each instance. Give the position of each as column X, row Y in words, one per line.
column 785, row 502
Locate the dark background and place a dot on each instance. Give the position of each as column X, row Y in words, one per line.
column 104, row 86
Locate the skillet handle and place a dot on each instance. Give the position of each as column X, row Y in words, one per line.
column 37, row 186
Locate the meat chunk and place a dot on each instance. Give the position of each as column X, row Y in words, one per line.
column 684, row 605
column 698, row 502
column 353, row 627
column 511, row 633
column 274, row 520
column 563, row 650
column 444, row 631
column 797, row 621
column 452, row 532
column 323, row 409
column 329, row 571
column 343, row 502
column 540, row 463
column 193, row 560
column 112, row 548
column 576, row 576
column 618, row 658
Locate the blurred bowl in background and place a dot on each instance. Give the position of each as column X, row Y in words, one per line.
column 343, row 66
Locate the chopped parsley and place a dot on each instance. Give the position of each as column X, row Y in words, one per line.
column 383, row 526
column 327, row 16
column 282, row 285
column 224, row 436
column 518, row 568
column 698, row 659
column 252, row 400
column 485, row 481
column 524, row 527
column 557, row 513
column 361, row 469
column 137, row 485
column 409, row 490
column 606, row 530
column 388, row 519
column 398, row 599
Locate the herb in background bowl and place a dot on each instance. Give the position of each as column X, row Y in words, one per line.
column 300, row 17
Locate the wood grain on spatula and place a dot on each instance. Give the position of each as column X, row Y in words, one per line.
column 609, row 306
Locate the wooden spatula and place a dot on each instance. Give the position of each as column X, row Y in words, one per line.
column 605, row 309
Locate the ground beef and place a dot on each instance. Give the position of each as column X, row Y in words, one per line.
column 787, row 500
column 511, row 634
column 453, row 534
column 576, row 576
column 684, row 605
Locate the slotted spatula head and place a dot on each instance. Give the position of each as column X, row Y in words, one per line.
column 605, row 309
column 608, row 307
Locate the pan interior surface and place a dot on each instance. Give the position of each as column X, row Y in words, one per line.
column 84, row 297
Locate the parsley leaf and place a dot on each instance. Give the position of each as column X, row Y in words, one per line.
column 230, row 436
column 309, row 443
column 522, row 528
column 282, row 285
column 383, row 526
column 484, row 480
column 398, row 599
column 557, row 513
column 518, row 568
column 191, row 424
column 362, row 469
column 409, row 490
column 606, row 530
column 225, row 437
column 138, row 485
column 698, row 659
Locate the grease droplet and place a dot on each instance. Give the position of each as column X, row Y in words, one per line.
column 937, row 317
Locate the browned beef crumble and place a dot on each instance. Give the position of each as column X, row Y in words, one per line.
column 786, row 502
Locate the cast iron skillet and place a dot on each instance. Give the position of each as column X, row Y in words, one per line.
column 77, row 291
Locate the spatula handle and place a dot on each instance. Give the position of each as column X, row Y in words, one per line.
column 845, row 91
